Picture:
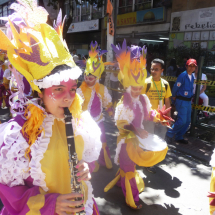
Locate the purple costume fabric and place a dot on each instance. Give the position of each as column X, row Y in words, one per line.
column 15, row 198
column 1, row 74
column 126, row 164
column 95, row 111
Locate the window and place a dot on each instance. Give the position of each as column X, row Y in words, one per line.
column 75, row 11
column 143, row 4
column 5, row 11
column 125, row 6
column 85, row 11
column 96, row 11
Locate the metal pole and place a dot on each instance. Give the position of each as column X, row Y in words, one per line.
column 196, row 99
column 115, row 19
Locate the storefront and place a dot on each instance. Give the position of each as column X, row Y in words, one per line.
column 193, row 28
column 146, row 27
column 80, row 35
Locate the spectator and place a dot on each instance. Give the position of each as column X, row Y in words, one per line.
column 202, row 94
column 114, row 84
column 182, row 69
column 79, row 56
column 182, row 94
column 73, row 52
column 158, row 92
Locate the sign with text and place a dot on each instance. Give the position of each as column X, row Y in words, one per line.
column 84, row 26
column 193, row 20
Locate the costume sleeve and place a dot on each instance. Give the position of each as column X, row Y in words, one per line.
column 15, row 195
column 168, row 92
column 90, row 132
column 177, row 85
column 107, row 102
column 25, row 200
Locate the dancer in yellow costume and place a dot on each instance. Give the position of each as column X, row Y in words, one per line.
column 35, row 175
column 134, row 145
column 96, row 97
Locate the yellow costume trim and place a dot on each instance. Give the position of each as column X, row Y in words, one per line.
column 76, row 106
column 107, row 159
column 145, row 158
column 35, row 203
column 212, row 189
column 128, row 176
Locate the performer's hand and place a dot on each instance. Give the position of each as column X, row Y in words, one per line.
column 83, row 171
column 65, row 203
column 142, row 133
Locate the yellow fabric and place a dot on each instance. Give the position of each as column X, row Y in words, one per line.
column 6, row 82
column 76, row 106
column 35, row 203
column 108, row 162
column 128, row 176
column 212, row 189
column 34, row 49
column 55, row 162
column 152, row 92
column 96, row 166
column 145, row 158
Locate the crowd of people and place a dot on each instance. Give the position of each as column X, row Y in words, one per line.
column 39, row 81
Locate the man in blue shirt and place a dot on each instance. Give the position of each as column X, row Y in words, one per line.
column 182, row 93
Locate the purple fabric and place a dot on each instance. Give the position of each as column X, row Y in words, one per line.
column 137, row 117
column 1, row 74
column 95, row 107
column 127, row 165
column 95, row 208
column 91, row 166
column 103, row 140
column 127, row 101
column 27, row 87
column 15, row 199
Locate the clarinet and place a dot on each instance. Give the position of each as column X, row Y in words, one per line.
column 76, row 186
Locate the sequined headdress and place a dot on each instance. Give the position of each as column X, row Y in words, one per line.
column 132, row 64
column 94, row 64
column 36, row 48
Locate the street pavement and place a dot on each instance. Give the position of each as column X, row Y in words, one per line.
column 179, row 187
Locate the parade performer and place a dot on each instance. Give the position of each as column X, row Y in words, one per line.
column 35, row 175
column 182, row 94
column 135, row 146
column 212, row 186
column 96, row 97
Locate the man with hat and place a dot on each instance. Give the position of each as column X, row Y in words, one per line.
column 182, row 94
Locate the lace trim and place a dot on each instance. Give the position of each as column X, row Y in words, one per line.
column 107, row 98
column 13, row 163
column 212, row 162
column 124, row 113
column 80, row 93
column 118, row 149
column 89, row 203
column 37, row 151
column 55, row 79
column 90, row 133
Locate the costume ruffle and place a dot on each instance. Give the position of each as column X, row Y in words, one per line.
column 89, row 203
column 37, row 152
column 123, row 113
column 90, row 133
column 118, row 149
column 212, row 161
column 56, row 78
column 14, row 167
column 106, row 98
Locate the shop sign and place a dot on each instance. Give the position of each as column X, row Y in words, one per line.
column 150, row 15
column 84, row 26
column 193, row 20
column 124, row 19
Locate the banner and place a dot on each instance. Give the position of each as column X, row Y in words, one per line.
column 110, row 17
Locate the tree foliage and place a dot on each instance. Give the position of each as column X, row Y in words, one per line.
column 183, row 51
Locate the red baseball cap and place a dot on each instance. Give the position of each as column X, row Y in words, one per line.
column 191, row 61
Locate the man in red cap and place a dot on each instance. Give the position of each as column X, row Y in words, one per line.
column 182, row 94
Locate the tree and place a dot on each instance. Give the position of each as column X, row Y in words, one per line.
column 61, row 4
